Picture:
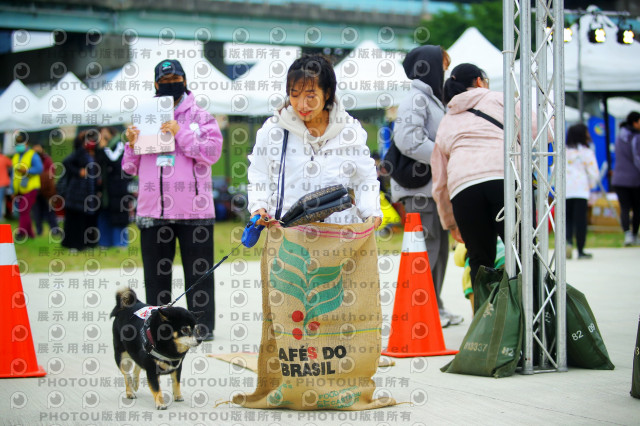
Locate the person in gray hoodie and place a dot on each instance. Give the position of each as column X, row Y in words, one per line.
column 414, row 134
column 626, row 176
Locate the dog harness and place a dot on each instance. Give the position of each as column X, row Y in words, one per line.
column 150, row 346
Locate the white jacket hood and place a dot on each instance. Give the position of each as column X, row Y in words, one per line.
column 338, row 119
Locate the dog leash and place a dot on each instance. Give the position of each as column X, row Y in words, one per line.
column 206, row 274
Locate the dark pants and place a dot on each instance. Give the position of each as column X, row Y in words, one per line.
column 80, row 230
column 475, row 210
column 577, row 222
column 42, row 211
column 629, row 199
column 436, row 238
column 158, row 245
column 111, row 235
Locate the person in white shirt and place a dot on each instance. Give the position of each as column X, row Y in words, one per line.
column 582, row 175
column 325, row 146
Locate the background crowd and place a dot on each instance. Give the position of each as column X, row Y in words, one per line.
column 454, row 126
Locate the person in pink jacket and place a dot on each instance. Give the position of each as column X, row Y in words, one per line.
column 175, row 198
column 468, row 165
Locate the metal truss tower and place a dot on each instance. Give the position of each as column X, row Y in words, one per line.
column 534, row 98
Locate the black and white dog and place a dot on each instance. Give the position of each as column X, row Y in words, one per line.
column 153, row 338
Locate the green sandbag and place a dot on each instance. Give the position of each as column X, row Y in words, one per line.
column 493, row 342
column 486, row 280
column 585, row 346
column 635, row 376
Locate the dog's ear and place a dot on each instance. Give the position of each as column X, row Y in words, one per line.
column 198, row 314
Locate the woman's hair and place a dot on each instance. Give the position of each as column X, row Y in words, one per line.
column 462, row 77
column 631, row 118
column 577, row 135
column 317, row 69
column 445, row 55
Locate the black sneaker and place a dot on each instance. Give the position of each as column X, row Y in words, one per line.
column 584, row 255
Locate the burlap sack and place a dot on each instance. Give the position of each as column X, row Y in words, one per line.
column 321, row 331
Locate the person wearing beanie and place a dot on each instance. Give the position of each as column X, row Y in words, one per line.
column 175, row 198
column 626, row 177
column 419, row 116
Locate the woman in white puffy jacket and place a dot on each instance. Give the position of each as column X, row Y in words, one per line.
column 325, row 147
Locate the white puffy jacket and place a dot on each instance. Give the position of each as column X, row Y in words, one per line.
column 339, row 156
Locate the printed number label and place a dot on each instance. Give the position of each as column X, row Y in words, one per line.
column 577, row 335
column 592, row 327
column 637, row 350
column 507, row 351
column 475, row 346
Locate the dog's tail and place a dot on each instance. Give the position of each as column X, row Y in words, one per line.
column 125, row 298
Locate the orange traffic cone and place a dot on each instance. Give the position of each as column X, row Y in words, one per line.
column 415, row 324
column 17, row 357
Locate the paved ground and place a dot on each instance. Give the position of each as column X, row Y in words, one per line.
column 72, row 336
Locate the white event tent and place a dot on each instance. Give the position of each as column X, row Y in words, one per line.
column 135, row 81
column 472, row 47
column 19, row 107
column 65, row 104
column 604, row 67
column 262, row 89
column 619, row 107
column 370, row 77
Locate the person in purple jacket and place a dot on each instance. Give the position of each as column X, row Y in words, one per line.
column 175, row 198
column 626, row 177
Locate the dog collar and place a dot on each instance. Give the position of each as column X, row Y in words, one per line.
column 150, row 345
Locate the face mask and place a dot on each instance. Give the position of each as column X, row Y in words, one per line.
column 21, row 148
column 90, row 145
column 174, row 90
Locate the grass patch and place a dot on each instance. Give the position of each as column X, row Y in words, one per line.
column 44, row 254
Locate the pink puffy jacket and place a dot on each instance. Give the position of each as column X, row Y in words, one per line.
column 184, row 190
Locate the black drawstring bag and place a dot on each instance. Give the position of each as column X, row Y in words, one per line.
column 408, row 172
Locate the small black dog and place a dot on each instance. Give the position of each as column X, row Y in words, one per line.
column 152, row 338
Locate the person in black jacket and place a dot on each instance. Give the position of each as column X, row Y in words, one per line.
column 81, row 197
column 113, row 216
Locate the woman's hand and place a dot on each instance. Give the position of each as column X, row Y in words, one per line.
column 455, row 233
column 264, row 218
column 377, row 221
column 132, row 135
column 82, row 173
column 170, row 126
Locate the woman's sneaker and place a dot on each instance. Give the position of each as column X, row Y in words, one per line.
column 629, row 238
column 453, row 318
